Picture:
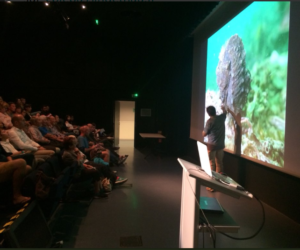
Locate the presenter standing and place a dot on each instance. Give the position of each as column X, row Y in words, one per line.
column 215, row 131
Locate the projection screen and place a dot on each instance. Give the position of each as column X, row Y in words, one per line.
column 244, row 57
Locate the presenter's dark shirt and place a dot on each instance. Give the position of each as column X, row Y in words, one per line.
column 215, row 130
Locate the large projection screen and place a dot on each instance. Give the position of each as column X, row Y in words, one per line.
column 244, row 57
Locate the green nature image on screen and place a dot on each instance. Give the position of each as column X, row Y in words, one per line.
column 247, row 72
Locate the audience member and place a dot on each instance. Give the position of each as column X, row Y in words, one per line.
column 21, row 141
column 104, row 154
column 74, row 154
column 53, row 128
column 14, row 170
column 45, row 110
column 9, row 150
column 71, row 155
column 18, row 110
column 69, row 125
column 28, row 109
column 24, row 113
column 23, row 100
column 19, row 103
column 83, row 145
column 61, row 125
column 11, row 109
column 4, row 117
column 94, row 136
column 35, row 133
column 57, row 141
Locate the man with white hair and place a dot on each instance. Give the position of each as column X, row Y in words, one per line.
column 20, row 140
column 44, row 129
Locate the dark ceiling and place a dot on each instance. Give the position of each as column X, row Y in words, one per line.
column 130, row 37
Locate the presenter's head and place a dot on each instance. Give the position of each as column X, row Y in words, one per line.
column 211, row 111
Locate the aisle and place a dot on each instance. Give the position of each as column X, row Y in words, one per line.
column 149, row 210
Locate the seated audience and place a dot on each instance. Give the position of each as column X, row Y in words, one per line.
column 11, row 109
column 28, row 109
column 94, row 136
column 53, row 128
column 72, row 154
column 101, row 158
column 4, row 117
column 19, row 103
column 45, row 110
column 61, row 125
column 83, row 145
column 9, row 150
column 18, row 110
column 23, row 100
column 69, row 125
column 21, row 141
column 14, row 170
column 35, row 134
column 103, row 153
column 57, row 141
column 23, row 113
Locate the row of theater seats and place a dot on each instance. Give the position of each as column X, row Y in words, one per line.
column 59, row 192
column 63, row 180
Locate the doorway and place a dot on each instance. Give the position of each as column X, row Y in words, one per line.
column 124, row 121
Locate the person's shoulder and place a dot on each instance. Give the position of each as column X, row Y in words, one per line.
column 222, row 115
column 12, row 130
column 66, row 153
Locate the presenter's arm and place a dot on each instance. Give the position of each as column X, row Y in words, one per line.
column 236, row 117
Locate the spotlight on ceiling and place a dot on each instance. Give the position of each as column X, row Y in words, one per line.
column 83, row 6
column 47, row 4
column 8, row 1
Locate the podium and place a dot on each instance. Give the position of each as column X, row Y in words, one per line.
column 192, row 179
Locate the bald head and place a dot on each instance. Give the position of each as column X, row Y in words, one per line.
column 36, row 121
column 84, row 130
column 18, row 121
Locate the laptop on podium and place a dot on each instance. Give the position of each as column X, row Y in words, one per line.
column 208, row 204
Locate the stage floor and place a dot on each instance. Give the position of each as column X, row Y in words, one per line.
column 147, row 214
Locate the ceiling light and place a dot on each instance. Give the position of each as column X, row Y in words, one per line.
column 83, row 6
column 8, row 1
column 47, row 4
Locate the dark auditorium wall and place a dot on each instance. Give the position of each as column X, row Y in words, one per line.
column 70, row 79
column 168, row 95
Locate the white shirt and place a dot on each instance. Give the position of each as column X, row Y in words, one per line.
column 6, row 145
column 6, row 120
column 20, row 140
column 69, row 125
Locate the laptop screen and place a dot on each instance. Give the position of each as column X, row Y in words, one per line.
column 204, row 159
